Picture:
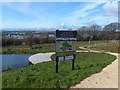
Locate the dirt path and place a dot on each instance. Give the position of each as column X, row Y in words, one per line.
column 107, row 78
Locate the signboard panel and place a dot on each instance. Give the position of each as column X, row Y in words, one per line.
column 63, row 58
column 66, row 34
column 60, row 58
column 65, row 39
column 69, row 57
column 59, row 54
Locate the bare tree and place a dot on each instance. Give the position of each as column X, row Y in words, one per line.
column 112, row 27
column 94, row 30
column 109, row 31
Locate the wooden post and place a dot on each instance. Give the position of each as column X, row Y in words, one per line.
column 56, row 64
column 64, row 58
column 73, row 62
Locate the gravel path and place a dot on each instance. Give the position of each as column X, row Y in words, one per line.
column 40, row 57
column 107, row 78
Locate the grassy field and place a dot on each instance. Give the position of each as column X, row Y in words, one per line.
column 110, row 47
column 43, row 75
column 97, row 45
column 107, row 46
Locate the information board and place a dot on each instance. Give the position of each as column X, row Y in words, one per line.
column 65, row 46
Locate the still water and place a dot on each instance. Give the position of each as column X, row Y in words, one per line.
column 14, row 60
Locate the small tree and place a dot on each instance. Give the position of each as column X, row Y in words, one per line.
column 30, row 40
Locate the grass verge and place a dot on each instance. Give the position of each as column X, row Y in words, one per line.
column 43, row 75
column 110, row 47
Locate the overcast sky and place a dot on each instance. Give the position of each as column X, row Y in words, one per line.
column 56, row 14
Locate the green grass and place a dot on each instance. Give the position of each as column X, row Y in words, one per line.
column 43, row 75
column 0, row 79
column 24, row 49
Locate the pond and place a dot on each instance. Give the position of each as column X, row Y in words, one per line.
column 10, row 61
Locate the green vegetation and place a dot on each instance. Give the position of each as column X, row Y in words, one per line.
column 24, row 49
column 110, row 47
column 43, row 75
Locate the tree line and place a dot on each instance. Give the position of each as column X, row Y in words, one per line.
column 84, row 33
column 97, row 32
column 29, row 40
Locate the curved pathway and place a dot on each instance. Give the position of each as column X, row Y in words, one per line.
column 107, row 78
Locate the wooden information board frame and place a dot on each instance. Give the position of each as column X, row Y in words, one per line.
column 65, row 36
